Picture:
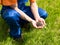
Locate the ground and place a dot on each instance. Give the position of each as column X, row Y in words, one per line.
column 50, row 35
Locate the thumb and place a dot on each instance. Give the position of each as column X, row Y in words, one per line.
column 36, row 20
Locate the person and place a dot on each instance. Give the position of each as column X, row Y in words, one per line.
column 19, row 13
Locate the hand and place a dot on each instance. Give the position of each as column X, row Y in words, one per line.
column 34, row 23
column 42, row 22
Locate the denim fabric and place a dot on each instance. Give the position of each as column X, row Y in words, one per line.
column 13, row 19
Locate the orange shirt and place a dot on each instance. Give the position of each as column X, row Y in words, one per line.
column 32, row 0
column 0, row 1
column 8, row 2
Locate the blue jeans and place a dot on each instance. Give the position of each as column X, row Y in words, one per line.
column 13, row 19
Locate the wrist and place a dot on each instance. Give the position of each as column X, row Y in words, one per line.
column 37, row 16
column 31, row 21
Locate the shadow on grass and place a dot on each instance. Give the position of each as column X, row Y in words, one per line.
column 4, row 35
column 3, row 30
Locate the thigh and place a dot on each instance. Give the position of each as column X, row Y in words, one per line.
column 9, row 13
column 28, row 11
column 11, row 17
column 42, row 13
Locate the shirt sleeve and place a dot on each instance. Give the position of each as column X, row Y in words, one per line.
column 8, row 2
column 32, row 0
column 0, row 1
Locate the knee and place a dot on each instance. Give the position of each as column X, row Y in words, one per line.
column 11, row 17
column 10, row 14
column 43, row 13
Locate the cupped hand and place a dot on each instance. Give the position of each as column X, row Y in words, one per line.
column 42, row 22
column 34, row 23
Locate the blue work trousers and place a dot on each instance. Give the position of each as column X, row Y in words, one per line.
column 13, row 19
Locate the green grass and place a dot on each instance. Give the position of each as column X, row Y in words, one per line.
column 50, row 35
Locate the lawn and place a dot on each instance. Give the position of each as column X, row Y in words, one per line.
column 50, row 35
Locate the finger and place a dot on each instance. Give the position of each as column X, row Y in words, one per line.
column 42, row 20
column 35, row 26
column 43, row 26
column 36, row 20
column 40, row 27
column 43, row 23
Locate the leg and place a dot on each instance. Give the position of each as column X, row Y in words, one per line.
column 12, row 19
column 43, row 13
